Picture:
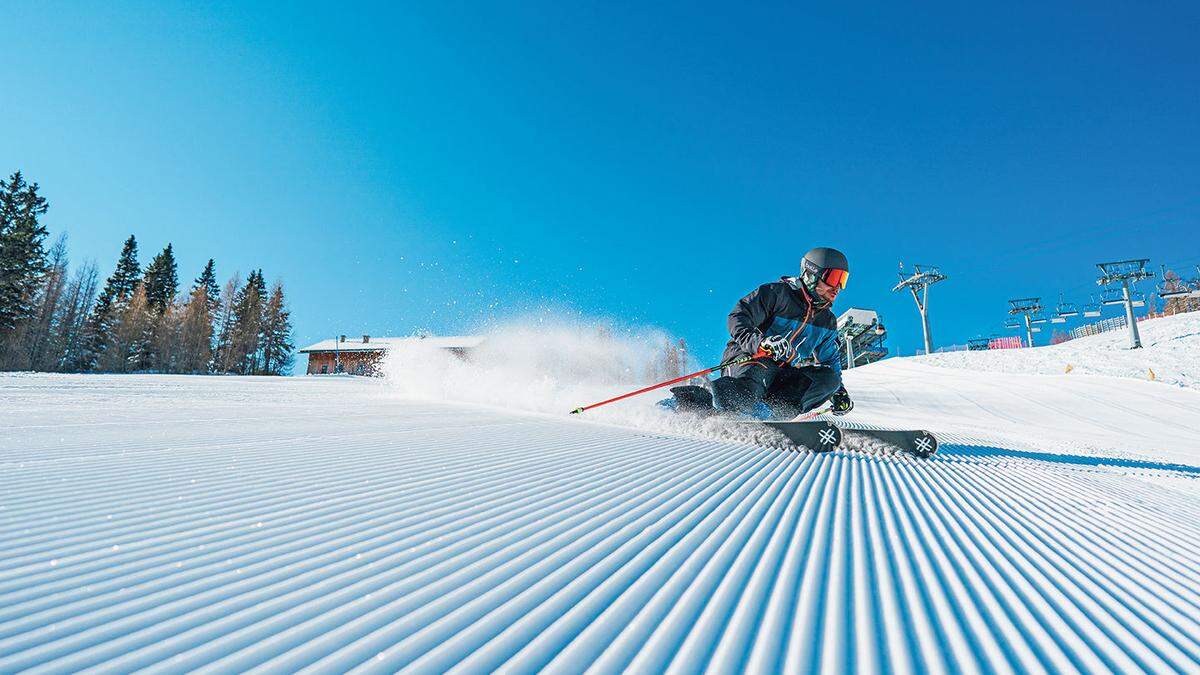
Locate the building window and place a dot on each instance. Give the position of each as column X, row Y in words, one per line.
column 325, row 369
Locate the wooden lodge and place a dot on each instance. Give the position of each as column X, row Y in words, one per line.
column 365, row 357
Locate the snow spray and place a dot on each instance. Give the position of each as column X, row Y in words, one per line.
column 548, row 365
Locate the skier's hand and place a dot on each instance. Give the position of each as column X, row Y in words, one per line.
column 776, row 346
column 840, row 402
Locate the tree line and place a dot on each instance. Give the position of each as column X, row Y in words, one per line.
column 140, row 320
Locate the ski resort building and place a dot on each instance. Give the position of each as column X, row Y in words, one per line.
column 363, row 357
column 862, row 335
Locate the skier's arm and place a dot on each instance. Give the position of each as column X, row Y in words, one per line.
column 828, row 354
column 748, row 314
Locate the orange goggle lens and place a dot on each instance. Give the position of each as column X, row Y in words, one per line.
column 836, row 277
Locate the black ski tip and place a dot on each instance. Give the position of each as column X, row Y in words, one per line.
column 576, row 411
column 924, row 444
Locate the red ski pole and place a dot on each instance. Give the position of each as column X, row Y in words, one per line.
column 732, row 362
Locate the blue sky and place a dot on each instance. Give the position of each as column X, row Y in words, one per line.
column 439, row 166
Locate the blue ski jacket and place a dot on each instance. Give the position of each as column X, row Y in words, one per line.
column 784, row 308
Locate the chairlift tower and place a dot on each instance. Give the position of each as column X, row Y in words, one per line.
column 1029, row 307
column 1126, row 271
column 924, row 277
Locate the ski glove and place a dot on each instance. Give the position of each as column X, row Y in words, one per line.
column 777, row 346
column 840, row 402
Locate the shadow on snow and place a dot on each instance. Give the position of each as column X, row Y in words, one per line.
column 956, row 451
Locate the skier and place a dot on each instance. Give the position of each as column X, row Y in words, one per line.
column 791, row 321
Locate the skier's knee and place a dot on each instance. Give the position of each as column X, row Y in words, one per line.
column 822, row 386
column 735, row 394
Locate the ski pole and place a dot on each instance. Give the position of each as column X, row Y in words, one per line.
column 731, row 362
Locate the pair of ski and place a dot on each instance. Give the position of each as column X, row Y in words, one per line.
column 811, row 429
column 821, row 435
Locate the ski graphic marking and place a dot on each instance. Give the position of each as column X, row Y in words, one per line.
column 916, row 442
column 818, row 435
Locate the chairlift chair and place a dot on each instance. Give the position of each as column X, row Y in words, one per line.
column 1181, row 291
column 1091, row 308
column 1112, row 296
column 1065, row 310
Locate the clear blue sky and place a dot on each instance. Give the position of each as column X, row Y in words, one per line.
column 403, row 166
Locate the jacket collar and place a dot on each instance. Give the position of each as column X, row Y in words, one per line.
column 816, row 303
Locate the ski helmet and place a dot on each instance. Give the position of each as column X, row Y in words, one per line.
column 824, row 264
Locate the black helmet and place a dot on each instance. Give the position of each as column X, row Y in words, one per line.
column 824, row 264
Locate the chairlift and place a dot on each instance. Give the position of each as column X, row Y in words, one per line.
column 1181, row 291
column 1092, row 308
column 1138, row 299
column 1037, row 318
column 1065, row 310
column 1112, row 296
column 1012, row 323
column 1058, row 318
column 1181, row 288
column 1184, row 288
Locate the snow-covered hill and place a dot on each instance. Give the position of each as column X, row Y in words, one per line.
column 1170, row 348
column 324, row 525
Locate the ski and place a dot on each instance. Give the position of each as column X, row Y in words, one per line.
column 916, row 442
column 816, row 435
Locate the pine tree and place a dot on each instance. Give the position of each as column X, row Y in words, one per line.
column 116, row 294
column 276, row 336
column 208, row 282
column 22, row 258
column 247, row 325
column 162, row 280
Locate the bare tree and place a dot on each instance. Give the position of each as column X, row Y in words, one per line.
column 130, row 343
column 195, row 334
column 224, row 357
column 71, row 323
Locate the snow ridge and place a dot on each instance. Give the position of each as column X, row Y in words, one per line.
column 1170, row 353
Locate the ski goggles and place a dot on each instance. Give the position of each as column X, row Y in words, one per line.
column 835, row 277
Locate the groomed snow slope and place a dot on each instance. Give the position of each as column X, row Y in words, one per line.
column 324, row 525
column 1170, row 348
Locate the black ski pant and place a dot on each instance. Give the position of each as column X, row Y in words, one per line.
column 787, row 391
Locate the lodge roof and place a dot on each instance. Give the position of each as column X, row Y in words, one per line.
column 380, row 344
